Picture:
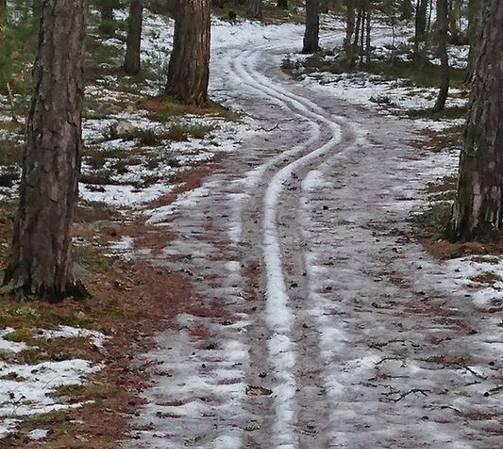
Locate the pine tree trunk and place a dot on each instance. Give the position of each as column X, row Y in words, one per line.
column 368, row 41
column 420, row 25
column 406, row 10
column 255, row 9
column 474, row 15
column 478, row 210
column 41, row 261
column 443, row 26
column 132, row 62
column 311, row 35
column 350, row 29
column 188, row 71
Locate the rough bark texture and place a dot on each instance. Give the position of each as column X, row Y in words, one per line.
column 443, row 27
column 41, row 261
column 188, row 71
column 132, row 62
column 312, row 33
column 254, row 8
column 478, row 210
column 474, row 15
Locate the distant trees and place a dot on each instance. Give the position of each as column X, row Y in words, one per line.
column 188, row 70
column 41, row 262
column 254, row 8
column 478, row 209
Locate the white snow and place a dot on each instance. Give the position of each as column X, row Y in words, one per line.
column 38, row 434
column 10, row 347
column 30, row 391
column 98, row 339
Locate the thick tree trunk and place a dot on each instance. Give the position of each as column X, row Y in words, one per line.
column 312, row 33
column 254, row 8
column 132, row 62
column 478, row 210
column 443, row 26
column 41, row 261
column 188, row 71
column 474, row 15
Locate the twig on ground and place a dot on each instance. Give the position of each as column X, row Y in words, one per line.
column 268, row 130
column 467, row 368
column 414, row 390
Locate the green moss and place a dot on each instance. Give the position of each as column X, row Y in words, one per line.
column 434, row 220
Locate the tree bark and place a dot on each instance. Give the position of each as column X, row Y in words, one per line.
column 478, row 209
column 41, row 262
column 443, row 27
column 188, row 71
column 474, row 16
column 406, row 10
column 420, row 25
column 350, row 29
column 132, row 62
column 312, row 33
column 254, row 9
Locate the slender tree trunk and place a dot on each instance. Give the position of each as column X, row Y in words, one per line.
column 254, row 9
column 406, row 10
column 362, row 30
column 188, row 71
column 41, row 261
column 350, row 29
column 368, row 48
column 443, row 26
column 420, row 25
column 478, row 210
column 132, row 62
column 356, row 39
column 312, row 33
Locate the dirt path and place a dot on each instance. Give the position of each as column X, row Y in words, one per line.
column 316, row 323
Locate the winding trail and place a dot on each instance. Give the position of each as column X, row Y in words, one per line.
column 315, row 323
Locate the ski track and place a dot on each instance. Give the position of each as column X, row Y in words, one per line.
column 212, row 406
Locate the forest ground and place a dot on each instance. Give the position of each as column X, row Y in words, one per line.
column 284, row 254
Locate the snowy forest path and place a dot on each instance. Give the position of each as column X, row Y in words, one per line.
column 315, row 322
